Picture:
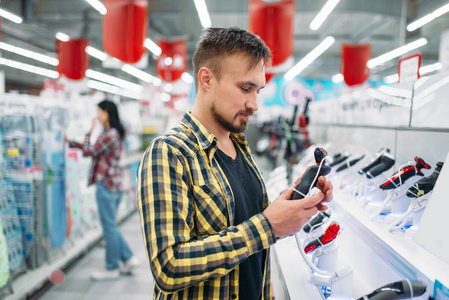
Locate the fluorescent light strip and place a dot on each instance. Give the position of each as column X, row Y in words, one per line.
column 323, row 14
column 98, row 6
column 114, row 80
column 10, row 16
column 157, row 82
column 396, row 53
column 441, row 11
column 30, row 54
column 96, row 53
column 112, row 89
column 138, row 73
column 392, row 78
column 420, row 22
column 187, row 77
column 203, row 14
column 337, row 78
column 62, row 37
column 29, row 68
column 150, row 45
column 430, row 68
column 428, row 18
column 309, row 58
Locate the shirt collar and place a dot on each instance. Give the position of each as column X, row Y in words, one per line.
column 203, row 135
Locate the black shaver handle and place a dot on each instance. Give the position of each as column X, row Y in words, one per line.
column 306, row 180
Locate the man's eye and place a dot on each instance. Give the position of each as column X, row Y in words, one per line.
column 245, row 90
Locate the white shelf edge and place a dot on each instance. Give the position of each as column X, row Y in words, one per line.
column 404, row 255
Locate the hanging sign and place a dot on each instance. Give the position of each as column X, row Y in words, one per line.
column 353, row 63
column 73, row 59
column 173, row 59
column 125, row 29
column 273, row 23
column 408, row 68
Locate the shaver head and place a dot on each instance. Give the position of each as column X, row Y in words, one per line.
column 421, row 164
column 329, row 236
column 424, row 185
column 319, row 154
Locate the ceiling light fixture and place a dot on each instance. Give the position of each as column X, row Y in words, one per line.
column 203, row 13
column 168, row 61
column 30, row 54
column 323, row 14
column 93, row 84
column 150, row 45
column 157, row 82
column 309, row 58
column 396, row 53
column 138, row 73
column 428, row 18
column 10, row 16
column 96, row 53
column 62, row 37
column 391, row 78
column 168, row 87
column 114, row 80
column 430, row 68
column 98, row 6
column 337, row 78
column 29, row 68
column 187, row 78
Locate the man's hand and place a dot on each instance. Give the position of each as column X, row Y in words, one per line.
column 288, row 216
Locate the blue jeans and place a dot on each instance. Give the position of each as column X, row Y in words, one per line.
column 116, row 246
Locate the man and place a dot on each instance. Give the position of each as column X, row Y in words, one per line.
column 203, row 205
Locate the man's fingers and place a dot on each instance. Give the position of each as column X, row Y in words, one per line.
column 312, row 200
column 296, row 181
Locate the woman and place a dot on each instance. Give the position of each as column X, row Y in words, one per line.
column 105, row 173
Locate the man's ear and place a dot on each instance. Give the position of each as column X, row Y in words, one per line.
column 205, row 78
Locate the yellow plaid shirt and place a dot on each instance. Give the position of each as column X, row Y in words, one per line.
column 186, row 209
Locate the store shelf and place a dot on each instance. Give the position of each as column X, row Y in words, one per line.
column 294, row 271
column 28, row 283
column 404, row 255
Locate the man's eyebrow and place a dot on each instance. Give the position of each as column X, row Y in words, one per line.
column 250, row 83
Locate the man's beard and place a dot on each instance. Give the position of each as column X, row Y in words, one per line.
column 228, row 125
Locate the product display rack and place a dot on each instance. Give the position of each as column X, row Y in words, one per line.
column 35, row 171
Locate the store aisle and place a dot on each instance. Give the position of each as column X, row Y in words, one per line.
column 77, row 284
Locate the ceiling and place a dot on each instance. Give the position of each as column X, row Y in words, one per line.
column 377, row 22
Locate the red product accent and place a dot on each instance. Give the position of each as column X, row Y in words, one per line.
column 398, row 174
column 125, row 28
column 353, row 63
column 309, row 249
column 177, row 51
column 273, row 23
column 422, row 163
column 73, row 59
column 331, row 233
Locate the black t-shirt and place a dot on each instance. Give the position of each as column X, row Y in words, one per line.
column 247, row 192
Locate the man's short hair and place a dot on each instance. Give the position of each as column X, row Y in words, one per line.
column 217, row 43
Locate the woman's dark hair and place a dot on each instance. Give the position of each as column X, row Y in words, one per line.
column 114, row 119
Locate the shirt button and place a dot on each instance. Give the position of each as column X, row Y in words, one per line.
column 234, row 296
